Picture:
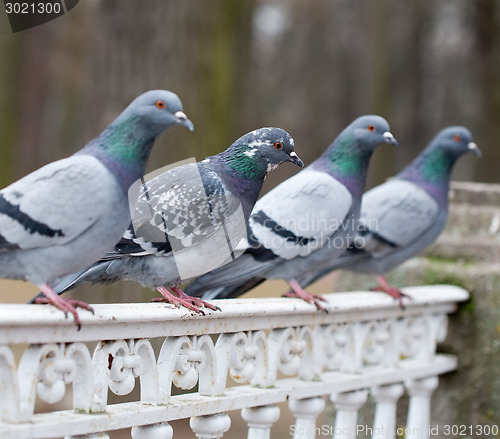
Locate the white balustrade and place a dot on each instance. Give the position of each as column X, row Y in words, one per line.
column 210, row 426
column 249, row 357
column 347, row 405
column 420, row 391
column 260, row 420
column 306, row 411
column 386, row 398
column 162, row 430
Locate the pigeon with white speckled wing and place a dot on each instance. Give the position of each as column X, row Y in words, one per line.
column 69, row 213
column 190, row 219
column 312, row 213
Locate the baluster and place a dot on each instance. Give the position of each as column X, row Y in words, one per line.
column 89, row 436
column 386, row 398
column 163, row 430
column 347, row 405
column 210, row 426
column 306, row 412
column 420, row 391
column 260, row 419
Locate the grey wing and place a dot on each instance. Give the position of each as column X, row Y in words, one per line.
column 395, row 214
column 300, row 214
column 183, row 207
column 55, row 204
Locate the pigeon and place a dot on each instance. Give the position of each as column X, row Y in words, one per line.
column 404, row 215
column 69, row 213
column 312, row 213
column 190, row 219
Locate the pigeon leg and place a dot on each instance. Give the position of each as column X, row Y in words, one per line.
column 174, row 300
column 392, row 291
column 66, row 304
column 299, row 292
column 194, row 300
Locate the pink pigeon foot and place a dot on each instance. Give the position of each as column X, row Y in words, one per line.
column 182, row 299
column 194, row 300
column 168, row 297
column 390, row 290
column 299, row 292
column 66, row 304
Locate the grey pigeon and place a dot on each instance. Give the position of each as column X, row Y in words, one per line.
column 403, row 216
column 67, row 214
column 313, row 213
column 190, row 219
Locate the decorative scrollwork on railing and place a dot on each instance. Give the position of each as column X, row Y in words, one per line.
column 338, row 347
column 242, row 355
column 117, row 364
column 377, row 342
column 185, row 361
column 291, row 351
column 413, row 335
column 46, row 369
column 441, row 321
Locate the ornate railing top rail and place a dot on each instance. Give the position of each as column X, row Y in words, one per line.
column 273, row 350
column 42, row 324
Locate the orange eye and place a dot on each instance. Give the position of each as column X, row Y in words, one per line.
column 371, row 127
column 160, row 104
column 278, row 145
column 456, row 138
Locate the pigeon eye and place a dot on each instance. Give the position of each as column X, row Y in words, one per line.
column 160, row 104
column 278, row 145
column 456, row 138
column 371, row 127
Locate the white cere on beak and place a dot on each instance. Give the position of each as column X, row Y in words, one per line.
column 293, row 154
column 471, row 146
column 389, row 138
column 180, row 115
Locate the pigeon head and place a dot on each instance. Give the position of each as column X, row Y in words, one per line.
column 432, row 168
column 347, row 158
column 245, row 164
column 453, row 142
column 124, row 146
column 267, row 146
column 157, row 110
column 370, row 132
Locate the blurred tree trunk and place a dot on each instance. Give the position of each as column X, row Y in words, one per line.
column 9, row 86
column 487, row 39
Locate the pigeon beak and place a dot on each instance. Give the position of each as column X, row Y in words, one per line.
column 472, row 147
column 294, row 158
column 183, row 120
column 389, row 138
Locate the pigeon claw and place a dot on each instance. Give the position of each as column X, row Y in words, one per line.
column 182, row 299
column 300, row 293
column 194, row 300
column 394, row 292
column 66, row 304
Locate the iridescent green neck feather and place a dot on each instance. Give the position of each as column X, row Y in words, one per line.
column 124, row 147
column 243, row 173
column 347, row 162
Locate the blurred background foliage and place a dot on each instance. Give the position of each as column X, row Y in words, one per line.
column 307, row 67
